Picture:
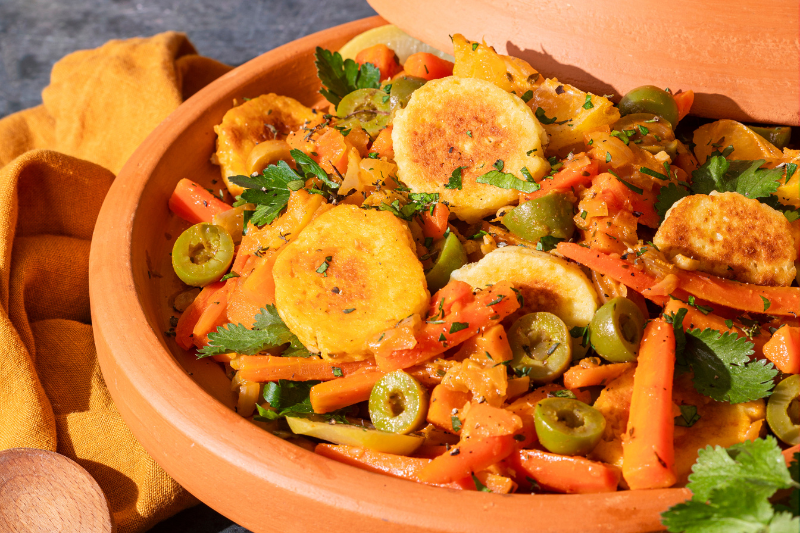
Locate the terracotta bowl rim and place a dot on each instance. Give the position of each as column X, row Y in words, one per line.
column 197, row 416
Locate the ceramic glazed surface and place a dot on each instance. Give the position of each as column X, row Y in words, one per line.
column 180, row 409
column 742, row 59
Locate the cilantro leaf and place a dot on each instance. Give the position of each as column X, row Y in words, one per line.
column 667, row 197
column 310, row 168
column 341, row 77
column 505, row 180
column 455, row 179
column 723, row 369
column 547, row 243
column 291, row 398
column 731, row 490
column 540, row 114
column 268, row 190
column 688, row 416
column 268, row 331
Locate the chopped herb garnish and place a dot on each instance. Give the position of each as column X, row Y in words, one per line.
column 337, row 372
column 323, row 268
column 348, row 311
column 688, row 416
column 588, row 103
column 341, row 77
column 767, row 303
column 526, row 96
column 455, row 179
column 229, row 275
column 649, row 172
column 540, row 114
column 458, row 326
column 456, row 423
column 631, row 186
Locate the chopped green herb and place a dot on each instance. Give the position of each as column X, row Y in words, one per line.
column 337, row 372
column 458, row 326
column 341, row 77
column 456, row 423
column 526, row 96
column 323, row 268
column 455, row 179
column 588, row 103
column 229, row 275
column 540, row 114
column 688, row 416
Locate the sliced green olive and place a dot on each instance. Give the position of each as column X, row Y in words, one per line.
column 450, row 256
column 568, row 427
column 541, row 345
column 202, row 254
column 550, row 214
column 783, row 410
column 779, row 135
column 398, row 403
column 650, row 99
column 370, row 107
column 354, row 435
column 616, row 330
column 402, row 88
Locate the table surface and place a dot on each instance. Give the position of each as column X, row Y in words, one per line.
column 36, row 34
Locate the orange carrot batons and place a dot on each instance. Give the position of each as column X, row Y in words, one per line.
column 647, row 447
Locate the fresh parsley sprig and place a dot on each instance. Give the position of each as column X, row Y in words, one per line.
column 268, row 331
column 721, row 362
column 270, row 190
column 341, row 77
column 731, row 490
column 718, row 174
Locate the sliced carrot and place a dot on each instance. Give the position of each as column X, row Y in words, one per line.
column 783, row 349
column 647, row 448
column 492, row 341
column 580, row 171
column 337, row 393
column 579, row 376
column 190, row 316
column 331, row 150
column 788, row 453
column 561, row 473
column 696, row 319
column 386, row 463
column 427, row 66
column 263, row 368
column 195, row 204
column 434, row 225
column 468, row 456
column 442, row 405
column 253, row 293
column 783, row 301
column 684, row 100
column 383, row 143
column 614, row 267
column 483, row 420
column 213, row 317
column 382, row 57
column 456, row 315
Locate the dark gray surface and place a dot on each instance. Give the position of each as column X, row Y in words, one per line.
column 34, row 34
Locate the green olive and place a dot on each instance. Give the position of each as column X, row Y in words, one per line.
column 354, row 435
column 541, row 345
column 550, row 214
column 202, row 254
column 779, row 135
column 616, row 330
column 450, row 256
column 650, row 99
column 370, row 107
column 568, row 427
column 398, row 403
column 650, row 132
column 783, row 410
column 402, row 88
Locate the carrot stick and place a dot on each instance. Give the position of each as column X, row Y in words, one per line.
column 684, row 100
column 788, row 453
column 580, row 171
column 427, row 66
column 578, row 376
column 743, row 296
column 443, row 402
column 386, row 463
column 213, row 317
column 614, row 267
column 434, row 225
column 443, row 329
column 382, row 57
column 783, row 349
column 332, row 395
column 648, row 455
column 194, row 204
column 190, row 316
column 467, row 457
column 561, row 473
column 263, row 368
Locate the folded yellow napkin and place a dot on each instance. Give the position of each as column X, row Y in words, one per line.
column 57, row 162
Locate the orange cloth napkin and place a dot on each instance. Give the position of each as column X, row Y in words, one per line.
column 57, row 162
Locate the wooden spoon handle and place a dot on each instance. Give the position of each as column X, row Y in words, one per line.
column 42, row 491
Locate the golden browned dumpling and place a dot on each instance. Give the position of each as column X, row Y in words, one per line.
column 351, row 274
column 470, row 124
column 266, row 118
column 730, row 236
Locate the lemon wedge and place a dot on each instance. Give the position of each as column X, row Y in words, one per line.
column 402, row 43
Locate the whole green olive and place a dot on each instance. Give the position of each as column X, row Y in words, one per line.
column 650, row 99
column 616, row 330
